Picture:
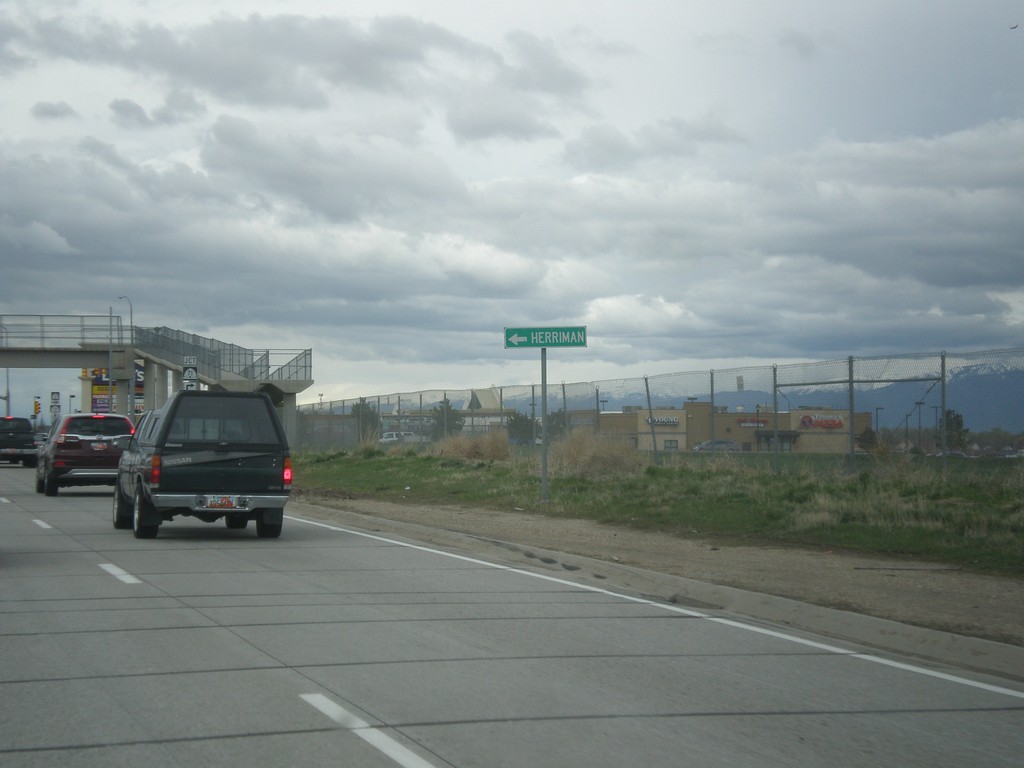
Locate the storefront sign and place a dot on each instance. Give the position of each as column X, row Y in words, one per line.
column 664, row 420
column 821, row 422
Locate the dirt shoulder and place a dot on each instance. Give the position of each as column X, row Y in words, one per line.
column 929, row 595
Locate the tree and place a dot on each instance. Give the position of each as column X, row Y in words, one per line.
column 956, row 434
column 558, row 425
column 447, row 420
column 367, row 421
column 867, row 439
column 521, row 428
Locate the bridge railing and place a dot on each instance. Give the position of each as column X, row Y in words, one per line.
column 61, row 331
column 215, row 359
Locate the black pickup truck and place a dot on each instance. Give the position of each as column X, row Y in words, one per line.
column 17, row 441
column 208, row 455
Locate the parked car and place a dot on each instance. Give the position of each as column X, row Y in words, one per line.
column 82, row 449
column 17, row 441
column 392, row 438
column 207, row 455
column 717, row 445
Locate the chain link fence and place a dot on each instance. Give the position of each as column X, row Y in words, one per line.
column 964, row 402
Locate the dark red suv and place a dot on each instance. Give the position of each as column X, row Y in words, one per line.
column 82, row 449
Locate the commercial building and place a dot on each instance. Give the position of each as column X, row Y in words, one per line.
column 805, row 430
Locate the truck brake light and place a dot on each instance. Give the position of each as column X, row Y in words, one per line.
column 286, row 475
column 154, row 472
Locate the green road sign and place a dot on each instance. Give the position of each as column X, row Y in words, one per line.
column 572, row 336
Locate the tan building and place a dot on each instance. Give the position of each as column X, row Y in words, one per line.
column 806, row 430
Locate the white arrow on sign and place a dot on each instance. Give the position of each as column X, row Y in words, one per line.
column 516, row 339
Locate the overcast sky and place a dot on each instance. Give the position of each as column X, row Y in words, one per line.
column 701, row 184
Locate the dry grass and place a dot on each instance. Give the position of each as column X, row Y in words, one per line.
column 582, row 454
column 490, row 446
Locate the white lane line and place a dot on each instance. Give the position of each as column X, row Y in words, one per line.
column 499, row 567
column 4, row 500
column 375, row 738
column 675, row 609
column 940, row 675
column 120, row 573
column 41, row 524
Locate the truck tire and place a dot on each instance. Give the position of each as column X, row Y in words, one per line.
column 139, row 509
column 122, row 511
column 268, row 530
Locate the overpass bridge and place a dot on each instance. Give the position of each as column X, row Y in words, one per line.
column 104, row 341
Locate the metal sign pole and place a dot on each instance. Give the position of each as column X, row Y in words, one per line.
column 544, row 424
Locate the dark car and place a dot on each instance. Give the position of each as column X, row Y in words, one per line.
column 82, row 449
column 17, row 441
column 209, row 455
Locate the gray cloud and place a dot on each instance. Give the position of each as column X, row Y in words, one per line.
column 48, row 110
column 604, row 147
column 392, row 191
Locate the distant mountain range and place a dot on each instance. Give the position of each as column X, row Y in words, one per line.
column 987, row 397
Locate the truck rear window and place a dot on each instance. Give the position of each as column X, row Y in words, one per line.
column 227, row 420
column 12, row 424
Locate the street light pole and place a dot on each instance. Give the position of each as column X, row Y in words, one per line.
column 131, row 358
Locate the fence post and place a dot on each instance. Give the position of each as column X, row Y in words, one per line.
column 713, row 419
column 775, row 410
column 943, row 428
column 853, row 441
column 650, row 420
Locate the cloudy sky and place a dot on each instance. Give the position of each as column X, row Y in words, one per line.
column 703, row 184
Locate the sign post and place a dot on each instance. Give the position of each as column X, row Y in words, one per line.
column 189, row 373
column 531, row 338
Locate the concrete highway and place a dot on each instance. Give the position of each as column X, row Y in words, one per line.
column 335, row 646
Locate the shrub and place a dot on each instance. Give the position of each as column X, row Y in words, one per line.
column 582, row 453
column 489, row 446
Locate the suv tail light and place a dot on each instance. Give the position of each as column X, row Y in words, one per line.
column 286, row 474
column 154, row 472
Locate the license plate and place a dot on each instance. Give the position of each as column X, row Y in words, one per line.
column 221, row 502
column 99, row 446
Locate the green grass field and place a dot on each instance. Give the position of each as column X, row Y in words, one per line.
column 971, row 514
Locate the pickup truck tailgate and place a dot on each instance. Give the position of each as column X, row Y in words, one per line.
column 208, row 471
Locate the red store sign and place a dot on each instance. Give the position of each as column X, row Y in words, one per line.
column 821, row 422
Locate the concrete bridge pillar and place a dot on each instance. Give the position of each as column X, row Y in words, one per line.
column 289, row 419
column 84, row 403
column 155, row 385
column 121, row 395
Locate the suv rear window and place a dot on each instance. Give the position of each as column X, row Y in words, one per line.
column 15, row 424
column 105, row 426
column 222, row 420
